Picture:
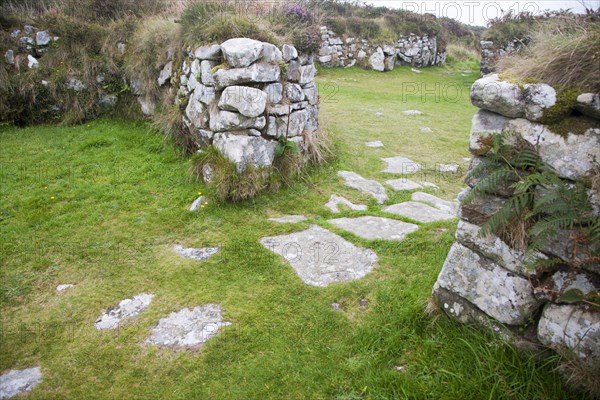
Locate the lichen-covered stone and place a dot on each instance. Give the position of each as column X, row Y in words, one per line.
column 248, row 101
column 376, row 60
column 483, row 126
column 490, row 93
column 572, row 330
column 539, row 97
column 371, row 187
column 245, row 150
column 589, row 104
column 241, row 52
column 256, row 73
column 494, row 290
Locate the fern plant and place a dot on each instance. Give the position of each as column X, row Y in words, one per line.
column 541, row 204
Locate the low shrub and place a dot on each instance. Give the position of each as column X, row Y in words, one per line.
column 363, row 28
column 563, row 52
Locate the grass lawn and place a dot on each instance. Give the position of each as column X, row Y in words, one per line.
column 101, row 206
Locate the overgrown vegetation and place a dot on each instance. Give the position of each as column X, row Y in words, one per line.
column 541, row 204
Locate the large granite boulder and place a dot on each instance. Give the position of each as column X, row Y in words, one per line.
column 377, row 60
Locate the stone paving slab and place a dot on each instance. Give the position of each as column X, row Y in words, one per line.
column 403, row 184
column 125, row 309
column 197, row 254
column 412, row 112
column 419, row 212
column 289, row 219
column 188, row 329
column 377, row 143
column 371, row 187
column 321, row 257
column 401, row 165
column 18, row 381
column 334, row 204
column 444, row 205
column 373, row 228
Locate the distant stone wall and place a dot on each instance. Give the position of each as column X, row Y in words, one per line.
column 491, row 53
column 345, row 52
column 484, row 280
column 243, row 95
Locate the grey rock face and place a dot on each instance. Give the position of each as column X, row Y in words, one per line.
column 484, row 124
column 9, row 56
column 307, row 74
column 165, row 74
column 197, row 254
column 289, row 52
column 248, row 101
column 497, row 292
column 127, row 308
column 196, row 111
column 376, row 60
column 245, row 150
column 289, row 126
column 572, row 330
column 481, row 209
column 206, row 74
column 15, row 382
column 197, row 204
column 271, row 54
column 311, row 92
column 538, row 98
column 42, row 38
column 241, row 52
column 371, row 187
column 320, row 257
column 490, row 93
column 294, row 92
column 221, row 121
column 334, row 203
column 375, row 228
column 274, row 93
column 492, row 247
column 419, row 212
column 573, row 157
column 188, row 329
column 401, row 165
column 32, row 62
column 256, row 73
column 289, row 219
column 589, row 104
column 212, row 53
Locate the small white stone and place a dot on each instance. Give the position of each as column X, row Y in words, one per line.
column 63, row 287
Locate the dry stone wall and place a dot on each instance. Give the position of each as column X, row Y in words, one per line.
column 491, row 53
column 345, row 52
column 484, row 280
column 243, row 95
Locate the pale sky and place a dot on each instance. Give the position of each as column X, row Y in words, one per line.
column 479, row 12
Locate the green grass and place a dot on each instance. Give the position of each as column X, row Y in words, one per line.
column 120, row 204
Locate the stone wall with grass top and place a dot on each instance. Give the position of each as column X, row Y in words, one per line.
column 245, row 98
column 526, row 261
column 418, row 51
column 492, row 52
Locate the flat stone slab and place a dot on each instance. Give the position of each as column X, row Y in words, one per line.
column 334, row 204
column 450, row 168
column 125, row 309
column 188, row 329
column 371, row 187
column 289, row 219
column 419, row 212
column 412, row 112
column 17, row 381
column 403, row 184
column 65, row 286
column 429, row 184
column 444, row 205
column 197, row 254
column 373, row 228
column 376, row 143
column 321, row 257
column 401, row 165
column 425, row 129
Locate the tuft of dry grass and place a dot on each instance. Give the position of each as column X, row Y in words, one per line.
column 563, row 52
column 461, row 52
